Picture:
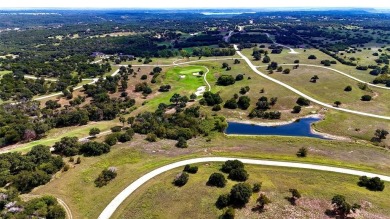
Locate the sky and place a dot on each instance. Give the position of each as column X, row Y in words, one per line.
column 191, row 3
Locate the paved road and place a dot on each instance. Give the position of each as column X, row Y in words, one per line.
column 117, row 201
column 292, row 51
column 335, row 70
column 253, row 67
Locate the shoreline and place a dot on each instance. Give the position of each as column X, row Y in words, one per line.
column 280, row 123
column 326, row 136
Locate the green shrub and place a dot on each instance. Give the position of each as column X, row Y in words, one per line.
column 111, row 139
column 105, row 177
column 256, row 187
column 93, row 148
column 151, row 137
column 190, row 169
column 116, row 129
column 181, row 179
column 231, row 165
column 217, row 179
column 240, row 194
column 238, row 174
column 223, row 201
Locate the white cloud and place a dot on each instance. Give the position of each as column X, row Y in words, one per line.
column 190, row 3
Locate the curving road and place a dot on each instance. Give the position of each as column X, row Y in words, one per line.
column 292, row 51
column 335, row 70
column 253, row 67
column 117, row 201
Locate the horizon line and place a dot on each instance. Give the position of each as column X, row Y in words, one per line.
column 195, row 8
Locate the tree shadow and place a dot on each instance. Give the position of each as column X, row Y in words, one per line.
column 330, row 213
column 258, row 209
column 292, row 200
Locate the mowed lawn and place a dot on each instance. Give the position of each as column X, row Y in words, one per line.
column 158, row 198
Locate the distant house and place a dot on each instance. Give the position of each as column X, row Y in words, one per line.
column 98, row 55
column 130, row 57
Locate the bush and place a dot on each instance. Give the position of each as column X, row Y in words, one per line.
column 231, row 165
column 239, row 77
column 286, row 71
column 144, row 77
column 223, row 201
column 240, row 194
column 111, row 139
column 230, row 104
column 217, row 179
column 78, row 161
column 366, row 98
column 302, row 152
column 211, row 99
column 256, row 187
column 181, row 179
column 116, row 129
column 151, row 137
column 373, row 184
column 190, row 169
column 105, row 177
column 125, row 137
column 228, row 214
column 181, row 143
column 303, row 101
column 296, row 109
column 66, row 167
column 67, row 146
column 93, row 148
column 243, row 102
column 348, row 88
column 225, row 80
column 312, row 57
column 94, row 131
column 238, row 174
column 216, row 107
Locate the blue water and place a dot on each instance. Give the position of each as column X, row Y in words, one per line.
column 299, row 128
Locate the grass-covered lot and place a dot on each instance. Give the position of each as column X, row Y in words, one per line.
column 132, row 160
column 160, row 199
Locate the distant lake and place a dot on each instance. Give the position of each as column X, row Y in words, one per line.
column 299, row 128
column 226, row 13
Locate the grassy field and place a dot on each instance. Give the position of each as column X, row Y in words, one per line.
column 358, row 127
column 160, row 199
column 330, row 87
column 286, row 58
column 138, row 157
column 56, row 134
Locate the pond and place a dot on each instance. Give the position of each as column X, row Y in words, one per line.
column 300, row 127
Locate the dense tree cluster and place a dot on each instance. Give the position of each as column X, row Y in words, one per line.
column 26, row 172
column 262, row 106
column 182, row 124
column 12, row 206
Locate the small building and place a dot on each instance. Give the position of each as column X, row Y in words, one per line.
column 98, row 55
